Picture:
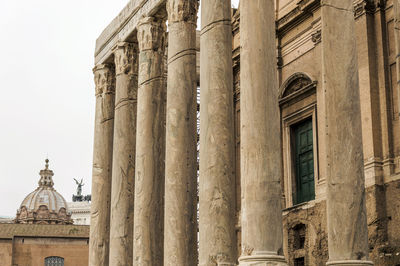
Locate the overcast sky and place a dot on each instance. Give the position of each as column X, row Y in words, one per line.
column 47, row 93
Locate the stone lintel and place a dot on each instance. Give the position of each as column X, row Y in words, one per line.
column 123, row 26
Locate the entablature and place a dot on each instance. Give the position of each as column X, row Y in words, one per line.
column 122, row 27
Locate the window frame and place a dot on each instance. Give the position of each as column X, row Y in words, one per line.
column 289, row 166
column 54, row 257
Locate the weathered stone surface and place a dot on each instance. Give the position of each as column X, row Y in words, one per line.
column 123, row 174
column 346, row 211
column 104, row 78
column 217, row 162
column 150, row 146
column 180, row 240
column 396, row 4
column 261, row 154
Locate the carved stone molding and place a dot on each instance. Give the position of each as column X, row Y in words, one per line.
column 125, row 57
column 365, row 6
column 104, row 79
column 316, row 37
column 182, row 10
column 151, row 34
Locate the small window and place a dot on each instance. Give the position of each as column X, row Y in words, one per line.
column 299, row 236
column 299, row 261
column 303, row 161
column 54, row 261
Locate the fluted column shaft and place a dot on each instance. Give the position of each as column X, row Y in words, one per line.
column 397, row 42
column 217, row 147
column 261, row 154
column 102, row 165
column 180, row 240
column 346, row 211
column 121, row 236
column 150, row 146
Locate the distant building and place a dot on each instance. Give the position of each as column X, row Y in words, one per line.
column 41, row 244
column 6, row 220
column 80, row 212
column 43, row 232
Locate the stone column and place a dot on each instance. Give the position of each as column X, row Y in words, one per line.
column 261, row 152
column 346, row 211
column 180, row 242
column 121, row 235
column 217, row 146
column 150, row 146
column 102, row 165
column 397, row 41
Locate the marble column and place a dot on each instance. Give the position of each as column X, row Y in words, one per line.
column 102, row 164
column 261, row 152
column 217, row 237
column 397, row 41
column 180, row 239
column 346, row 211
column 123, row 174
column 150, row 146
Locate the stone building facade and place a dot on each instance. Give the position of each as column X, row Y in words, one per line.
column 43, row 245
column 302, row 100
column 80, row 212
column 299, row 159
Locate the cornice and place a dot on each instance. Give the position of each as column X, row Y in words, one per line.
column 303, row 10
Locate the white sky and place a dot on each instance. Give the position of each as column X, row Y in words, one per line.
column 47, row 92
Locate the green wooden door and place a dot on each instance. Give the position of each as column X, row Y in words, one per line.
column 304, row 160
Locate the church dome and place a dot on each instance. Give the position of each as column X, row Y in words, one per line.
column 44, row 205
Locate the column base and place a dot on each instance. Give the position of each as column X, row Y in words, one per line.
column 350, row 263
column 262, row 260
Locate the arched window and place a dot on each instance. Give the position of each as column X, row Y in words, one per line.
column 54, row 261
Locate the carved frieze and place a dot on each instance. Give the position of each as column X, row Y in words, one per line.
column 296, row 87
column 182, row 10
column 151, row 34
column 126, row 58
column 104, row 79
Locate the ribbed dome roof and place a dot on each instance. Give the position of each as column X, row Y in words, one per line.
column 45, row 204
column 44, row 196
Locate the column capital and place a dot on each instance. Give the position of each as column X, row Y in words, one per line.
column 182, row 10
column 125, row 57
column 151, row 34
column 104, row 79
